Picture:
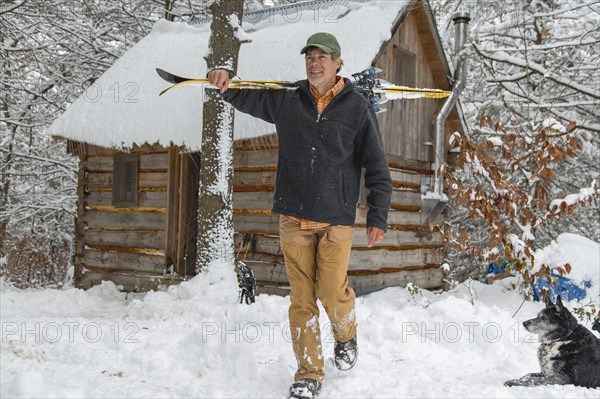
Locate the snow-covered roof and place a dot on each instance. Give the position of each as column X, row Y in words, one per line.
column 123, row 108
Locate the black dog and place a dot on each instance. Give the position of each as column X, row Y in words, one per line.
column 569, row 353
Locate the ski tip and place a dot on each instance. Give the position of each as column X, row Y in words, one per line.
column 164, row 91
column 165, row 75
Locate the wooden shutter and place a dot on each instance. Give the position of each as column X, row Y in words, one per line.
column 407, row 68
column 125, row 180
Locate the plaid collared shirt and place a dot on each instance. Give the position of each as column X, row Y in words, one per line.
column 322, row 102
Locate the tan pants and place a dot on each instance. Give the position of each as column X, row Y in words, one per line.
column 316, row 262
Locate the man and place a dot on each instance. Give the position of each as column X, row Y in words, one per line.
column 326, row 131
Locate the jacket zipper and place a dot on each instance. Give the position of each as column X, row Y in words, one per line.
column 313, row 158
column 313, row 149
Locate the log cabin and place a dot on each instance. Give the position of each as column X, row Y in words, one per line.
column 140, row 153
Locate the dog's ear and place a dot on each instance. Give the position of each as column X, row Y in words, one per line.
column 547, row 299
column 559, row 305
column 596, row 325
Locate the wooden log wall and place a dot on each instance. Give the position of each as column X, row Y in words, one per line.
column 409, row 252
column 125, row 245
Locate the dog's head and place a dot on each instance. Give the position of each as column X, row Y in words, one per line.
column 553, row 322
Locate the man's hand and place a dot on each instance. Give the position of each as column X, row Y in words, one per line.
column 219, row 78
column 375, row 235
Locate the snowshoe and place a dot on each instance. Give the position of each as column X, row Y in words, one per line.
column 306, row 388
column 346, row 354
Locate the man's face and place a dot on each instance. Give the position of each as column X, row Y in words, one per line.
column 320, row 67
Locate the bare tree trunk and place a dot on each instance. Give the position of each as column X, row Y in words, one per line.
column 8, row 156
column 215, row 205
column 5, row 189
column 169, row 10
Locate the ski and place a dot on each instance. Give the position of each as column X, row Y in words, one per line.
column 377, row 91
column 179, row 81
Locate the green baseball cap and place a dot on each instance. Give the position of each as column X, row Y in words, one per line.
column 325, row 41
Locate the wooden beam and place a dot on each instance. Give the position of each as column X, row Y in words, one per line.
column 116, row 248
column 154, row 239
column 406, row 186
column 382, row 258
column 109, row 208
column 255, row 200
column 146, row 199
column 260, row 141
column 131, row 282
column 400, row 166
column 406, row 198
column 255, row 158
column 255, row 177
column 256, row 148
column 252, row 189
column 428, row 279
column 148, row 162
column 405, row 177
column 152, row 189
column 108, row 260
column 405, row 208
column 256, row 169
column 253, row 211
column 384, row 270
column 401, row 227
column 103, row 180
column 380, row 247
column 101, row 219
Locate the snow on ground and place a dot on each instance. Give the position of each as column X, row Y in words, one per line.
column 194, row 340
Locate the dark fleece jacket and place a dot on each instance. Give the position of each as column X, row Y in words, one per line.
column 320, row 159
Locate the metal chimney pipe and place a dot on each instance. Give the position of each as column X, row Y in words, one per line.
column 461, row 34
column 461, row 26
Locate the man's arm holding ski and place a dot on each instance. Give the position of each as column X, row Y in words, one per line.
column 264, row 104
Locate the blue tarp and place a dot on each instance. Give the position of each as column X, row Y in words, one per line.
column 493, row 269
column 565, row 287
